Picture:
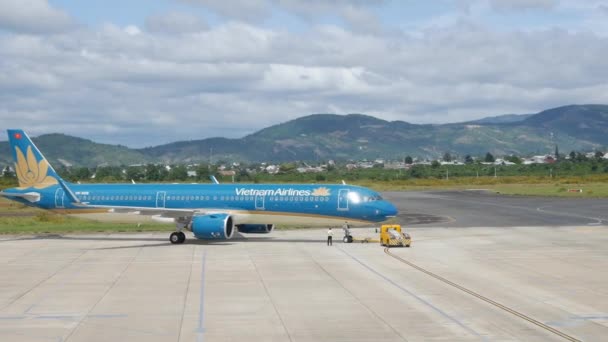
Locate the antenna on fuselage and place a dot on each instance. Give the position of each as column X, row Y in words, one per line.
column 213, row 179
column 343, row 182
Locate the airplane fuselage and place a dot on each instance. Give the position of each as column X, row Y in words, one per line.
column 247, row 203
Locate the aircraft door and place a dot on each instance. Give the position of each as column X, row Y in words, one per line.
column 343, row 199
column 259, row 202
column 160, row 199
column 59, row 197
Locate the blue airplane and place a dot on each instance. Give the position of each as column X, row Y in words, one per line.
column 209, row 211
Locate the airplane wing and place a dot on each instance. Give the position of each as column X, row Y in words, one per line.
column 147, row 211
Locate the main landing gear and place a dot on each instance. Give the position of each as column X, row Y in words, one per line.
column 177, row 237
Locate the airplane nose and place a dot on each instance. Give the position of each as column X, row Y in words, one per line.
column 389, row 210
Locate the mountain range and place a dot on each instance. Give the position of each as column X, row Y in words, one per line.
column 355, row 136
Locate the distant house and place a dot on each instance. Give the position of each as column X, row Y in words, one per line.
column 422, row 162
column 272, row 169
column 500, row 161
column 453, row 162
column 365, row 165
column 228, row 173
column 396, row 166
column 311, row 169
column 192, row 174
column 547, row 159
column 7, row 170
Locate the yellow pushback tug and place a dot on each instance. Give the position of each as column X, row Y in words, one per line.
column 391, row 235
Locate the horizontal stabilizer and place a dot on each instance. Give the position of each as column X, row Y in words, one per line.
column 29, row 196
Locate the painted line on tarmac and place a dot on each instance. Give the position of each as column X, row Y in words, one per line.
column 420, row 299
column 598, row 220
column 200, row 331
column 483, row 298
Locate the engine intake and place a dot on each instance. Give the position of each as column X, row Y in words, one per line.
column 214, row 226
column 255, row 228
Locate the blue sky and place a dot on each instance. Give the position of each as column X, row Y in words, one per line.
column 406, row 14
column 142, row 73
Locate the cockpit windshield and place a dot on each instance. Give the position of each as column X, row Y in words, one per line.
column 372, row 198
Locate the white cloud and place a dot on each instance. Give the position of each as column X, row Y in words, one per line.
column 33, row 16
column 121, row 84
column 132, row 30
column 175, row 22
column 355, row 13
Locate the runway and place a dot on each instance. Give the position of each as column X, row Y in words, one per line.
column 290, row 286
column 486, row 209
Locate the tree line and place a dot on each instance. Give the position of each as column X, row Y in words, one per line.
column 578, row 164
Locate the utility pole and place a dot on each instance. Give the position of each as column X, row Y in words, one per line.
column 494, row 171
column 210, row 156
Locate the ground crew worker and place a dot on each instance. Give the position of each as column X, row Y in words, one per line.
column 346, row 229
column 330, row 234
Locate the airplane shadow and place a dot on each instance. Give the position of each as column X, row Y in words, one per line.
column 164, row 241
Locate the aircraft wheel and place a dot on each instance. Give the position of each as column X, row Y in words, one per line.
column 345, row 239
column 175, row 238
column 182, row 237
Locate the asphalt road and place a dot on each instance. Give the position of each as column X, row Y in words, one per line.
column 486, row 209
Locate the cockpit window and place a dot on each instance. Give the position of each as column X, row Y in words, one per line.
column 374, row 198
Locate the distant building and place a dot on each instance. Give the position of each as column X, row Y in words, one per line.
column 396, row 166
column 272, row 169
column 453, row 162
column 500, row 161
column 311, row 169
column 546, row 159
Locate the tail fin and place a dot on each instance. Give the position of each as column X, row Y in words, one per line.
column 32, row 169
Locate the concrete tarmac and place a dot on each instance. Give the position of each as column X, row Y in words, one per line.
column 291, row 286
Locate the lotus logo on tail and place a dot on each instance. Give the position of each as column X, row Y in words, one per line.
column 32, row 173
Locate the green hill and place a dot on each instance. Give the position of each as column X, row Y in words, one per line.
column 63, row 149
column 357, row 136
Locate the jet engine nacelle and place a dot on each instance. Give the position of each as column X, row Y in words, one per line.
column 214, row 226
column 255, row 228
